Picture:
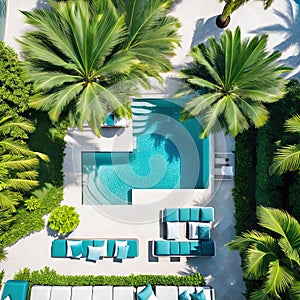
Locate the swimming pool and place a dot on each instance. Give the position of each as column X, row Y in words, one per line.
column 168, row 155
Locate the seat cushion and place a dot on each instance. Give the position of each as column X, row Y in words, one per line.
column 103, row 292
column 110, row 248
column 133, row 250
column 85, row 244
column 82, row 293
column 184, row 248
column 162, row 247
column 195, row 248
column 124, row 293
column 166, row 292
column 184, row 214
column 145, row 293
column 203, row 232
column 171, row 215
column 195, row 214
column 94, row 253
column 59, row 248
column 174, row 248
column 173, row 230
column 208, row 247
column 61, row 292
column 40, row 292
column 101, row 243
column 15, row 289
column 207, row 214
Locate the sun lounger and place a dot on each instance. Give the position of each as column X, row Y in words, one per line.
column 103, row 292
column 166, row 292
column 40, row 292
column 61, row 293
column 82, row 293
column 124, row 292
column 15, row 289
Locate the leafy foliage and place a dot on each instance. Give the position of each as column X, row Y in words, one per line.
column 50, row 277
column 32, row 203
column 232, row 80
column 273, row 257
column 85, row 58
column 64, row 219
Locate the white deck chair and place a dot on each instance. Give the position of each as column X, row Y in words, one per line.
column 124, row 293
column 82, row 292
column 103, row 292
column 40, row 292
column 61, row 293
column 166, row 292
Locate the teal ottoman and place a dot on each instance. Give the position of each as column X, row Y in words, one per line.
column 15, row 289
column 161, row 248
column 59, row 248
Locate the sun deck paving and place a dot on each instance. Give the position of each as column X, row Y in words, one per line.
column 141, row 220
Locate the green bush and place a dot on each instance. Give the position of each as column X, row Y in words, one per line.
column 27, row 222
column 64, row 219
column 47, row 276
column 32, row 203
column 244, row 181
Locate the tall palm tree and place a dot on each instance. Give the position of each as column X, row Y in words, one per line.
column 223, row 20
column 272, row 256
column 18, row 163
column 85, row 58
column 287, row 158
column 231, row 80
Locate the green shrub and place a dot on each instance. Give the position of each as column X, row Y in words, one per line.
column 47, row 276
column 244, row 181
column 32, row 203
column 64, row 219
column 27, row 222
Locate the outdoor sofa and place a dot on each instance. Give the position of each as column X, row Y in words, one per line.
column 94, row 249
column 39, row 292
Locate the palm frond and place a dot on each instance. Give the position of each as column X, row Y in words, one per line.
column 293, row 124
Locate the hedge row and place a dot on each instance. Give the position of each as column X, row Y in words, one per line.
column 48, row 276
column 244, row 181
column 27, row 222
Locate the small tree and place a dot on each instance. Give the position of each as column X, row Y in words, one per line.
column 64, row 219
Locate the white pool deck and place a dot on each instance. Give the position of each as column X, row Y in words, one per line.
column 141, row 220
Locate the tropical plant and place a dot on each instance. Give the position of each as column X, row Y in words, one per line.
column 230, row 81
column 287, row 158
column 32, row 203
column 64, row 219
column 231, row 6
column 18, row 163
column 3, row 254
column 85, row 58
column 272, row 256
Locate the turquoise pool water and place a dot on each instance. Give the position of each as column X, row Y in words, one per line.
column 2, row 18
column 168, row 155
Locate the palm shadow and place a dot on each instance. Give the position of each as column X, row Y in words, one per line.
column 204, row 30
column 289, row 30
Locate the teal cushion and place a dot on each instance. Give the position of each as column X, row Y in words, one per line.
column 76, row 250
column 195, row 214
column 145, row 293
column 162, row 247
column 94, row 253
column 110, row 248
column 59, row 248
column 184, row 214
column 133, row 250
column 208, row 247
column 174, row 247
column 171, row 215
column 122, row 252
column 110, row 120
column 98, row 243
column 195, row 248
column 203, row 232
column 15, row 289
column 85, row 244
column 184, row 248
column 184, row 296
column 207, row 214
column 198, row 296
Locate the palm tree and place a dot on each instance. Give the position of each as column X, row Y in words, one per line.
column 272, row 256
column 287, row 158
column 18, row 163
column 85, row 58
column 231, row 80
column 223, row 20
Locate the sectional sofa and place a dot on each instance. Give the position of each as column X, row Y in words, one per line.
column 94, row 249
column 15, row 291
